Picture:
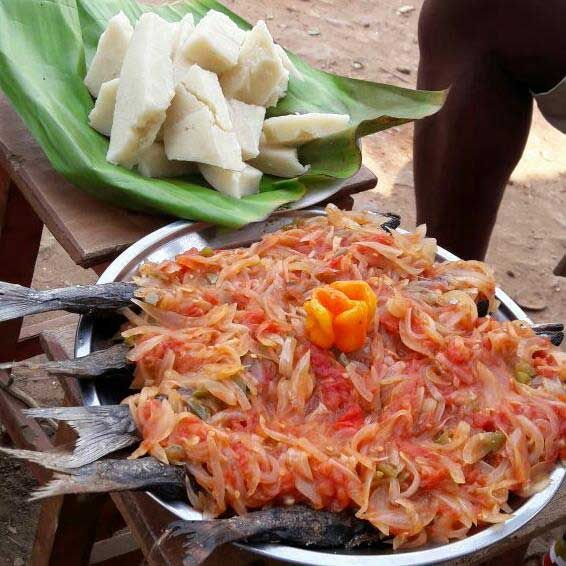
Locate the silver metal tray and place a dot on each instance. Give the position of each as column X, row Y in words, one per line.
column 180, row 236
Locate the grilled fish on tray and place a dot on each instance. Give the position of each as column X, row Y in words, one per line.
column 333, row 364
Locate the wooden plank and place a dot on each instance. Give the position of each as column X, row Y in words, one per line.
column 65, row 530
column 121, row 543
column 147, row 520
column 29, row 344
column 132, row 558
column 26, row 348
column 90, row 231
column 67, row 524
column 19, row 246
column 60, row 322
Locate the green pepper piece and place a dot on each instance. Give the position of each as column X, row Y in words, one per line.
column 200, row 410
column 496, row 440
column 387, row 470
column 522, row 377
column 200, row 394
column 525, row 367
column 443, row 438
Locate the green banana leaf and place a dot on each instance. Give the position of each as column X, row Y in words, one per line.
column 44, row 49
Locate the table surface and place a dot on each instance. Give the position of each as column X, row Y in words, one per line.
column 91, row 231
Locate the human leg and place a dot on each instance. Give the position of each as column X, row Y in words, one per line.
column 465, row 154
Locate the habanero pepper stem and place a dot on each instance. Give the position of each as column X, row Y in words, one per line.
column 340, row 315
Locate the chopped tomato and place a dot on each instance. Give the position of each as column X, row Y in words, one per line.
column 191, row 310
column 432, row 477
column 389, row 322
column 326, row 488
column 253, row 317
column 335, row 263
column 211, row 298
column 324, row 365
column 241, row 453
column 185, row 428
column 382, row 238
column 483, row 421
column 353, row 417
column 457, row 352
column 336, row 389
column 273, row 327
column 335, row 393
column 413, row 450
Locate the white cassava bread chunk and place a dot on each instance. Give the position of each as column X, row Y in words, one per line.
column 110, row 53
column 145, row 91
column 191, row 134
column 288, row 64
column 278, row 160
column 180, row 64
column 247, row 121
column 102, row 115
column 183, row 29
column 259, row 77
column 215, row 43
column 296, row 129
column 205, row 87
column 236, row 184
column 153, row 162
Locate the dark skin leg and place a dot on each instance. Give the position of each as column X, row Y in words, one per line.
column 492, row 53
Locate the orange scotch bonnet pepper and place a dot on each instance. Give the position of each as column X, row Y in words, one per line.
column 340, row 314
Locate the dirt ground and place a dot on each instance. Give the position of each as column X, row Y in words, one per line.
column 368, row 39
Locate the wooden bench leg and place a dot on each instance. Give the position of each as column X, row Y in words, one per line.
column 19, row 246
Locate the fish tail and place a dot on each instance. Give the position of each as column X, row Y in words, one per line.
column 201, row 538
column 107, row 476
column 60, row 484
column 48, row 460
column 17, row 301
column 101, row 430
column 101, row 363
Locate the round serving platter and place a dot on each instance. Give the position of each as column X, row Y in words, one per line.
column 171, row 240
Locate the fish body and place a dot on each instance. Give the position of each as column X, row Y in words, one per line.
column 553, row 331
column 17, row 301
column 296, row 525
